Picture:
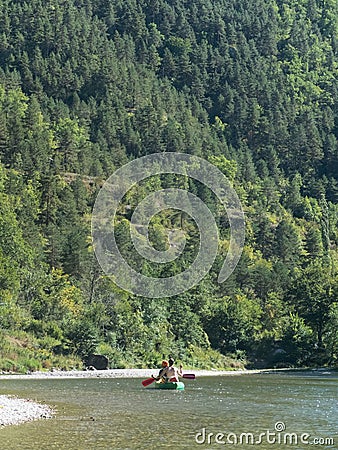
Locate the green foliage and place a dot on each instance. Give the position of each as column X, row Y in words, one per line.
column 233, row 323
column 314, row 292
column 332, row 334
column 83, row 337
column 229, row 168
column 297, row 343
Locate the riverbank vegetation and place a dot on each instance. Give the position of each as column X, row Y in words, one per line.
column 88, row 85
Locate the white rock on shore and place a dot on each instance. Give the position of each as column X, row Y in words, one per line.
column 14, row 410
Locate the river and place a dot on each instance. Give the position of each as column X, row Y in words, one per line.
column 265, row 411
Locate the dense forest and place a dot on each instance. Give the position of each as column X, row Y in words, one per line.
column 88, row 85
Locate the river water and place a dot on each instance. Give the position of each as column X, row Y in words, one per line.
column 265, row 411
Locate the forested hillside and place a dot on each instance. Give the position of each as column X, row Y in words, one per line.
column 251, row 86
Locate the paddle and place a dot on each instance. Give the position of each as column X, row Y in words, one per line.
column 190, row 376
column 148, row 381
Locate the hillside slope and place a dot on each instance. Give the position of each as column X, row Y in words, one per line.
column 86, row 86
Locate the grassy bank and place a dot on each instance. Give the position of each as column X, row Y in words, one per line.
column 21, row 352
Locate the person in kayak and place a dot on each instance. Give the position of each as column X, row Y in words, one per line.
column 171, row 373
column 161, row 374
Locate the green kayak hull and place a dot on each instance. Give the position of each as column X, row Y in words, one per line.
column 178, row 386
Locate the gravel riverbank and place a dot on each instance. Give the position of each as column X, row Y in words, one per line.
column 120, row 373
column 15, row 410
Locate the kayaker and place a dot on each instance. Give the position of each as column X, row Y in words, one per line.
column 161, row 375
column 171, row 373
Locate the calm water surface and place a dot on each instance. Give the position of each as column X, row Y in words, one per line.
column 115, row 414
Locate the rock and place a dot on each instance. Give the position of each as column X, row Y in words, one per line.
column 98, row 362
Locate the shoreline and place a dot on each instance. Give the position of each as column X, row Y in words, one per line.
column 139, row 373
column 114, row 373
column 15, row 411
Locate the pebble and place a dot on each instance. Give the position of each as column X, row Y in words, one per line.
column 15, row 410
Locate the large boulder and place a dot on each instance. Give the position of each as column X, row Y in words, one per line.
column 99, row 362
